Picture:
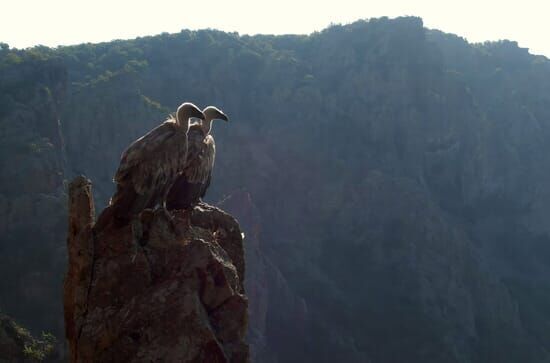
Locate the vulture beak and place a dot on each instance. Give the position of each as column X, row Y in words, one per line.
column 224, row 117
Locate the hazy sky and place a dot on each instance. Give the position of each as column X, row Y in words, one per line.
column 53, row 22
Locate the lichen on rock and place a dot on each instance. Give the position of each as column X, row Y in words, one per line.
column 156, row 289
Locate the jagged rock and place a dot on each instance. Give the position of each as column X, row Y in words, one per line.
column 155, row 290
column 80, row 252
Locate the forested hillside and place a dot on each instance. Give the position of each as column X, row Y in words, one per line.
column 393, row 182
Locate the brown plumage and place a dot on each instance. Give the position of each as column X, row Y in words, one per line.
column 191, row 185
column 151, row 163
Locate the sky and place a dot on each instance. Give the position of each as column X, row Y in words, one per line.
column 64, row 22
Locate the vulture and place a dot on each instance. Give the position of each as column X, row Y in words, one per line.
column 150, row 165
column 190, row 186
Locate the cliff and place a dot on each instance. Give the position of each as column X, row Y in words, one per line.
column 398, row 181
column 157, row 291
column 32, row 195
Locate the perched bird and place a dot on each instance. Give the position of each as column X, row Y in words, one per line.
column 191, row 185
column 150, row 165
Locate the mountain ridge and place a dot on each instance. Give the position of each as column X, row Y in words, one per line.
column 398, row 174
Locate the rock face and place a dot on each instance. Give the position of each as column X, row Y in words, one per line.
column 155, row 290
column 32, row 196
column 273, row 305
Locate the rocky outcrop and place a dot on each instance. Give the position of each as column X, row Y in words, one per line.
column 161, row 289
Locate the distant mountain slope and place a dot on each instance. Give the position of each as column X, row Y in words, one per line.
column 400, row 176
column 17, row 345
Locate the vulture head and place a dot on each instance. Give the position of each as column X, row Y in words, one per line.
column 212, row 113
column 186, row 111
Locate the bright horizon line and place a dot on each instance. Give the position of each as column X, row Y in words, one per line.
column 130, row 38
column 54, row 23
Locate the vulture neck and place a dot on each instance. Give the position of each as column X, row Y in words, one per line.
column 183, row 118
column 207, row 126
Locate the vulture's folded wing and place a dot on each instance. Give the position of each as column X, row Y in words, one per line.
column 143, row 148
column 195, row 142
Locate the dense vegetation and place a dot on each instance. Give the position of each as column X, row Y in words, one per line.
column 400, row 176
column 18, row 345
